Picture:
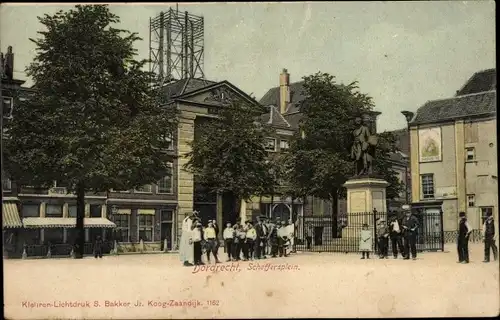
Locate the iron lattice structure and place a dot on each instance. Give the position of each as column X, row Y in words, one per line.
column 176, row 46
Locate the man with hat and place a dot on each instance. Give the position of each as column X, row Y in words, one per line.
column 383, row 238
column 410, row 226
column 260, row 237
column 464, row 231
column 489, row 237
column 395, row 236
column 186, row 251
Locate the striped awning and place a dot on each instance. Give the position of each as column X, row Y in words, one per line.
column 10, row 216
column 66, row 223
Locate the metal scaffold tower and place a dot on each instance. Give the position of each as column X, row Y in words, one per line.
column 176, row 46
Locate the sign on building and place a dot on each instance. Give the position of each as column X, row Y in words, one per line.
column 429, row 142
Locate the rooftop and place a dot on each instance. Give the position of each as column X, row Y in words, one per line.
column 463, row 106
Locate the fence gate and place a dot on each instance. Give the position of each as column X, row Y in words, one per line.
column 316, row 233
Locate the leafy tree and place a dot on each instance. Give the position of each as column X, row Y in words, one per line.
column 93, row 122
column 319, row 162
column 228, row 154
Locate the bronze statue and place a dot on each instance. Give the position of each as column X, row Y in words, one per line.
column 363, row 148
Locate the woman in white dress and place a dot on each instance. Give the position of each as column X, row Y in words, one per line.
column 186, row 246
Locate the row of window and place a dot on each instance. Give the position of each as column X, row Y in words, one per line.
column 145, row 225
column 271, row 144
column 56, row 210
column 163, row 186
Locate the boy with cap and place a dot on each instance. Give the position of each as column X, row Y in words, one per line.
column 282, row 239
column 464, row 231
column 228, row 240
column 197, row 238
column 251, row 238
column 383, row 238
column 211, row 239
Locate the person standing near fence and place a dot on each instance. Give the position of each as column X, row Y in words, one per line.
column 383, row 238
column 410, row 226
column 464, row 231
column 489, row 238
column 98, row 247
column 365, row 241
column 395, row 236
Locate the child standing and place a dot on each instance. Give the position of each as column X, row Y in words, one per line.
column 228, row 240
column 365, row 243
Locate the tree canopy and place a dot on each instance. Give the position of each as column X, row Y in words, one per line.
column 93, row 118
column 229, row 153
column 319, row 162
column 94, row 121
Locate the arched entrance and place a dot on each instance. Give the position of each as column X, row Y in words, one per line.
column 281, row 210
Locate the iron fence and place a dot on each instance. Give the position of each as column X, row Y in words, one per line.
column 343, row 234
column 63, row 249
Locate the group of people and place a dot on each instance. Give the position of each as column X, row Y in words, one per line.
column 489, row 238
column 402, row 233
column 257, row 241
column 242, row 241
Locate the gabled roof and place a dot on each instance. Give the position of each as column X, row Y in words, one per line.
column 477, row 104
column 184, row 86
column 274, row 118
column 188, row 87
column 481, row 81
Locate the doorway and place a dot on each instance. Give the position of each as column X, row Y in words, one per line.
column 166, row 228
column 318, row 236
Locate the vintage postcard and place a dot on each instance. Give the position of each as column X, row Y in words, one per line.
column 249, row 160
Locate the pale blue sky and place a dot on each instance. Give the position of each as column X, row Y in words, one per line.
column 402, row 53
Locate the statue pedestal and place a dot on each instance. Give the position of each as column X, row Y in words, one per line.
column 365, row 194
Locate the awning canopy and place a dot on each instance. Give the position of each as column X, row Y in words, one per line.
column 146, row 211
column 66, row 223
column 10, row 216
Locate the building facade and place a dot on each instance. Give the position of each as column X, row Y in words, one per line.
column 454, row 153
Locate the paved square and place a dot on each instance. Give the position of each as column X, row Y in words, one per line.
column 302, row 285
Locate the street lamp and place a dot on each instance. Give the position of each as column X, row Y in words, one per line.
column 408, row 116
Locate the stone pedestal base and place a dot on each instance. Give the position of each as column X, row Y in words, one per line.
column 365, row 194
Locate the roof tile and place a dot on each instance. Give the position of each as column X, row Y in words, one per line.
column 456, row 108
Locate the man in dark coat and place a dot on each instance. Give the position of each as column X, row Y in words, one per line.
column 98, row 247
column 410, row 226
column 395, row 235
column 489, row 238
column 464, row 231
column 261, row 239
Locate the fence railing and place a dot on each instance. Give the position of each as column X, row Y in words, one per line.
column 63, row 249
column 343, row 233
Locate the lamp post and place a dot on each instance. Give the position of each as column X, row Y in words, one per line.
column 408, row 116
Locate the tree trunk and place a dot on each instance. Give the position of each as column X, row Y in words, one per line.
column 80, row 214
column 335, row 214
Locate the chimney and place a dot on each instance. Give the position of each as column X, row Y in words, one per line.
column 284, row 90
column 9, row 64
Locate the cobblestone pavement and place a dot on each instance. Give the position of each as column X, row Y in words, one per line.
column 302, row 285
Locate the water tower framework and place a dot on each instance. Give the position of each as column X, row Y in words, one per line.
column 176, row 46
